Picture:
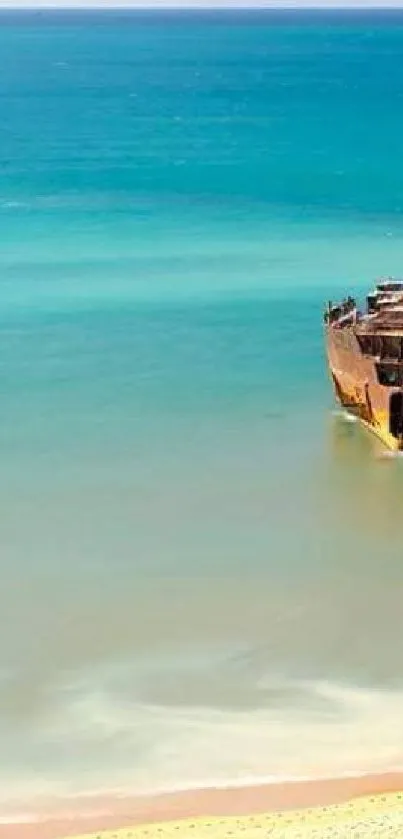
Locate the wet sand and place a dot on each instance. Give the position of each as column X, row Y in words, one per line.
column 96, row 815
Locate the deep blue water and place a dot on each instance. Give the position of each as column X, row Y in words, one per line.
column 197, row 555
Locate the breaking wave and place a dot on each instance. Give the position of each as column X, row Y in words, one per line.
column 99, row 744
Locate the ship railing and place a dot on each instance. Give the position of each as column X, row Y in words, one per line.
column 341, row 313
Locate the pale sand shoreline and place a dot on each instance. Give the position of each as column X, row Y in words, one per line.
column 120, row 813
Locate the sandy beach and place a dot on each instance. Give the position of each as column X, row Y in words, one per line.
column 119, row 813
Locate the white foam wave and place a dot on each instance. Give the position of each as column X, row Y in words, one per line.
column 120, row 747
column 387, row 454
column 14, row 205
column 345, row 415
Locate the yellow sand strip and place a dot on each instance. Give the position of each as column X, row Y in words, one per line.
column 372, row 817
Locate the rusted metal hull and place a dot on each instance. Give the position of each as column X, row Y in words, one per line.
column 357, row 387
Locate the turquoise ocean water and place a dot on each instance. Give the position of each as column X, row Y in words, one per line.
column 201, row 560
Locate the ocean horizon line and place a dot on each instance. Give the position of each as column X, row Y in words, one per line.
column 208, row 7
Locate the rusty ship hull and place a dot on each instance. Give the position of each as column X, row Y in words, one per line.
column 365, row 359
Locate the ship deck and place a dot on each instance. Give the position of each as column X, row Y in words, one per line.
column 387, row 320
